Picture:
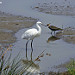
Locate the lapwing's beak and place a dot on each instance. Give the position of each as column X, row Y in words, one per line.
column 47, row 24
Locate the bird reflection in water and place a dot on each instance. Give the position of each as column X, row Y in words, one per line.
column 52, row 38
column 53, row 28
column 27, row 55
column 30, row 67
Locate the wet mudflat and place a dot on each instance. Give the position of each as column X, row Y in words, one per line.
column 55, row 49
column 10, row 24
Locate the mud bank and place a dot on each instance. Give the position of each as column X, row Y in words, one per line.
column 57, row 7
column 67, row 35
column 10, row 24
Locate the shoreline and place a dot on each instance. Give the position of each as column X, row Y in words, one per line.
column 10, row 24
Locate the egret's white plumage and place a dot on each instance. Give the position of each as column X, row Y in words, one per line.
column 30, row 34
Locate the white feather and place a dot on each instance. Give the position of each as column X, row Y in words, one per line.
column 30, row 34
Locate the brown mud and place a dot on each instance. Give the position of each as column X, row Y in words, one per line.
column 10, row 24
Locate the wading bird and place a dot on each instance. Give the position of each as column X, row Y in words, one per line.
column 30, row 34
column 53, row 28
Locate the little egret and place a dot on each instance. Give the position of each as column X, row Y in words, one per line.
column 53, row 28
column 30, row 34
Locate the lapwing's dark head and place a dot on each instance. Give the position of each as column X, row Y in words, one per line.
column 48, row 25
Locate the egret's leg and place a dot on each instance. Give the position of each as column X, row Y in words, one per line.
column 31, row 55
column 32, row 49
column 32, row 45
column 26, row 48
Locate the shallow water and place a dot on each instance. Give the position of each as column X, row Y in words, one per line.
column 60, row 50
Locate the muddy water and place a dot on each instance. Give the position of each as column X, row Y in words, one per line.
column 59, row 50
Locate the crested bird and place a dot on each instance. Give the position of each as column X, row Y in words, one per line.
column 53, row 28
column 30, row 34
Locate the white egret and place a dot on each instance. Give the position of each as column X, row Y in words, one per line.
column 30, row 34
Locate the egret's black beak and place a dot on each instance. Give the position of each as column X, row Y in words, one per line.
column 44, row 25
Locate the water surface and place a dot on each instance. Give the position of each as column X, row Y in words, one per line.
column 60, row 50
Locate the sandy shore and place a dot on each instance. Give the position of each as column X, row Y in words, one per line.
column 10, row 24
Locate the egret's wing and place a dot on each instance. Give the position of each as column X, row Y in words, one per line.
column 29, row 34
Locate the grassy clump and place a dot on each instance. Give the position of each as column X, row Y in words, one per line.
column 10, row 66
column 15, row 66
column 71, row 67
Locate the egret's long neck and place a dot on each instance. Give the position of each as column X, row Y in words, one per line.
column 39, row 28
